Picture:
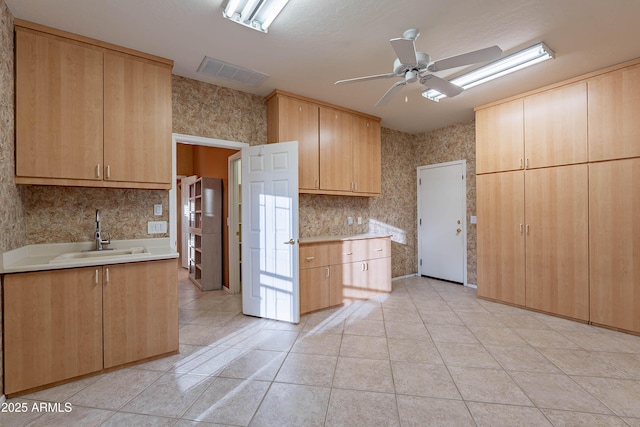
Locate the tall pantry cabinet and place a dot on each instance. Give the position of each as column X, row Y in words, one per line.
column 558, row 196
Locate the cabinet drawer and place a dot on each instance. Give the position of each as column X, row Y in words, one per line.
column 316, row 255
column 358, row 250
column 378, row 248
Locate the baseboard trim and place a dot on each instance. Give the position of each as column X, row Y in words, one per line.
column 404, row 277
column 471, row 285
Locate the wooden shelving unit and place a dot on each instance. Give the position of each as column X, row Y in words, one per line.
column 205, row 233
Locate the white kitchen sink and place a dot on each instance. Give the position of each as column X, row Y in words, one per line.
column 105, row 253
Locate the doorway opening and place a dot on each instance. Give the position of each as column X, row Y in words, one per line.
column 175, row 235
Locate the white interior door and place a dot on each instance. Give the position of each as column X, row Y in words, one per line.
column 442, row 221
column 184, row 218
column 270, row 285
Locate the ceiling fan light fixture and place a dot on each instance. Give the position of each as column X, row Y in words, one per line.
column 503, row 66
column 256, row 14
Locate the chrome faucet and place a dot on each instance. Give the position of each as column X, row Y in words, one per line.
column 98, row 235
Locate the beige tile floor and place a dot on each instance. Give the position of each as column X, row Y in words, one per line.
column 429, row 353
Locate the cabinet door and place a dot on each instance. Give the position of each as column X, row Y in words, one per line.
column 137, row 120
column 140, row 311
column 614, row 108
column 555, row 126
column 297, row 120
column 336, row 171
column 52, row 326
column 58, row 108
column 378, row 276
column 335, row 285
column 314, row 289
column 614, row 243
column 557, row 248
column 354, row 281
column 501, row 242
column 367, row 161
column 500, row 137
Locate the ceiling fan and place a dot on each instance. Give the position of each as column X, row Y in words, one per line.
column 415, row 66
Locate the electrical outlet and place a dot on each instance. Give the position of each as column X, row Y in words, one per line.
column 157, row 210
column 349, row 220
column 359, row 220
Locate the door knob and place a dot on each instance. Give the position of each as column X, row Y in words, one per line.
column 290, row 242
column 458, row 230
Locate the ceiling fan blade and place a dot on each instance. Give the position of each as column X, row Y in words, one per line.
column 441, row 85
column 390, row 93
column 364, row 79
column 481, row 55
column 405, row 50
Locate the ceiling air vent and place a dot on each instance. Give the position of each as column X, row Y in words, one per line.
column 224, row 70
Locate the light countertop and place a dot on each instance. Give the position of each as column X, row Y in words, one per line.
column 320, row 239
column 38, row 257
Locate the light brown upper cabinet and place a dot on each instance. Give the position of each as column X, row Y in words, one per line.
column 614, row 243
column 335, row 150
column 500, row 137
column 89, row 113
column 367, row 155
column 59, row 107
column 555, row 126
column 291, row 119
column 339, row 150
column 614, row 109
column 137, row 119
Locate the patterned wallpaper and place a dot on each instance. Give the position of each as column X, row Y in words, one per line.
column 13, row 231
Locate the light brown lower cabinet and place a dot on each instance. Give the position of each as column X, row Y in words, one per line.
column 334, row 273
column 533, row 239
column 614, row 243
column 140, row 303
column 55, row 321
column 52, row 326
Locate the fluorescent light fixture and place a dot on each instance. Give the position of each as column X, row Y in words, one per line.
column 503, row 66
column 256, row 14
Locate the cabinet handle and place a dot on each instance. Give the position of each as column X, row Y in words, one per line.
column 362, row 266
column 526, row 164
column 366, row 266
column 527, row 229
column 309, row 258
column 108, row 171
column 97, row 278
column 327, row 271
column 317, row 183
column 107, row 273
column 520, row 228
column 378, row 250
column 347, row 253
column 98, row 170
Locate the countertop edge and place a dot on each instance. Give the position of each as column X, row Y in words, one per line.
column 322, row 239
column 32, row 258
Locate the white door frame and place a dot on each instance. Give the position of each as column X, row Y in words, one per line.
column 463, row 213
column 232, row 225
column 192, row 140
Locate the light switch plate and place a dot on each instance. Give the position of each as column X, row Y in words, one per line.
column 157, row 210
column 474, row 219
column 156, row 227
column 349, row 220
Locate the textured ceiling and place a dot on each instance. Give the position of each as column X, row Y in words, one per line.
column 313, row 43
